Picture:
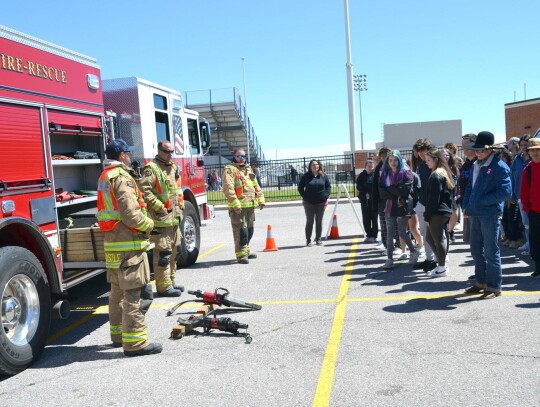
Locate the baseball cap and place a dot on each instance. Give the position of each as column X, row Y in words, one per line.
column 115, row 147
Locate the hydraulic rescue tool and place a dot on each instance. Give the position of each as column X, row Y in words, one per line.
column 210, row 323
column 216, row 298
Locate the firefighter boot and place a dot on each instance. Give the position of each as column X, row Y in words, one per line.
column 171, row 292
column 151, row 349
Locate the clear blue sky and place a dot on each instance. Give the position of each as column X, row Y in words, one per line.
column 425, row 60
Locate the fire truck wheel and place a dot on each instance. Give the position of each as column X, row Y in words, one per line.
column 191, row 237
column 25, row 309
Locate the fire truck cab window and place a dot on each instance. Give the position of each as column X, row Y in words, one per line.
column 162, row 126
column 162, row 118
column 193, row 132
column 160, row 102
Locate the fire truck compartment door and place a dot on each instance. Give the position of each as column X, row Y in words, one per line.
column 22, row 152
column 43, row 211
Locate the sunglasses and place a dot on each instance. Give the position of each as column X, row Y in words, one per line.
column 166, row 151
column 240, row 156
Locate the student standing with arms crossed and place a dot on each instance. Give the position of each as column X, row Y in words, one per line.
column 315, row 189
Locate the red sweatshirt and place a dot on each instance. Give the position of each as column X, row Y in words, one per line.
column 530, row 195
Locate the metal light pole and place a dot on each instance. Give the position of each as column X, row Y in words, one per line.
column 245, row 108
column 360, row 85
column 352, row 120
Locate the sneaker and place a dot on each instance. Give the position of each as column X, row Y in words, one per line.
column 414, row 257
column 439, row 271
column 452, row 237
column 388, row 264
column 397, row 251
column 308, row 243
column 524, row 248
column 151, row 349
column 380, row 246
column 536, row 274
column 422, row 252
column 367, row 240
column 513, row 245
column 403, row 256
column 372, row 240
column 171, row 292
column 318, row 242
column 252, row 256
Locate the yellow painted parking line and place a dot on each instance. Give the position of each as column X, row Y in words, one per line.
column 390, row 298
column 326, row 377
column 206, row 253
column 99, row 310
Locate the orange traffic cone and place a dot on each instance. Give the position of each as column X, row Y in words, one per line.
column 270, row 243
column 334, row 232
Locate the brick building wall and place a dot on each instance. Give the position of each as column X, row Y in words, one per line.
column 522, row 117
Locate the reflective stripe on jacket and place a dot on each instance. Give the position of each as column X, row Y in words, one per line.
column 161, row 189
column 240, row 187
column 131, row 214
column 108, row 214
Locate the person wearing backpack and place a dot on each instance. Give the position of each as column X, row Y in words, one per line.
column 530, row 199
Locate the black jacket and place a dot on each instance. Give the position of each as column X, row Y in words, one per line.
column 423, row 172
column 465, row 174
column 364, row 185
column 314, row 190
column 439, row 196
column 400, row 194
column 375, row 191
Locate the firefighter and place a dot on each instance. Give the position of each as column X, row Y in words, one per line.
column 125, row 225
column 243, row 194
column 162, row 189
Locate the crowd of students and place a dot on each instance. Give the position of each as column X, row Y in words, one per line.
column 416, row 204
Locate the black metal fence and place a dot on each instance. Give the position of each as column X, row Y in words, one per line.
column 279, row 178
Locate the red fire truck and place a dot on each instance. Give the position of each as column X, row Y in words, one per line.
column 55, row 118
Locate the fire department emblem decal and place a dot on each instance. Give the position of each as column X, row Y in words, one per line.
column 178, row 135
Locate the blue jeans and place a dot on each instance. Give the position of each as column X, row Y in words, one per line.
column 485, row 251
column 525, row 221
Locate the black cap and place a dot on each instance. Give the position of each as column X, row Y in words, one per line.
column 115, row 147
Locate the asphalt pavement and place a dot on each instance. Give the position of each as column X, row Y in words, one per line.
column 335, row 329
